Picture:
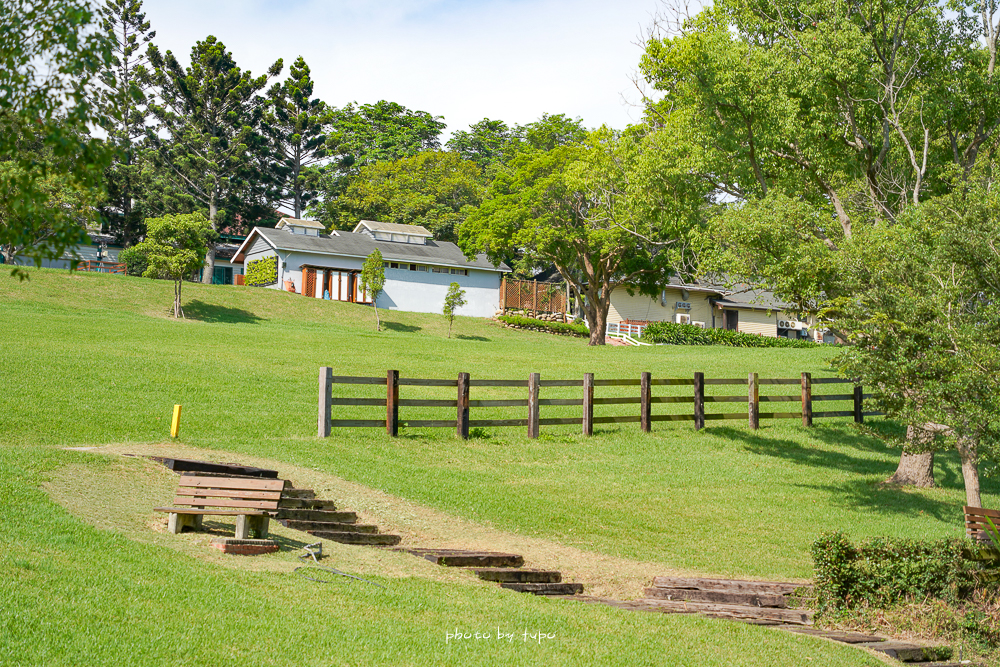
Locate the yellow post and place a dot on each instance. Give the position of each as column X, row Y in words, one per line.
column 175, row 423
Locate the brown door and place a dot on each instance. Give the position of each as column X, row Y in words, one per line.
column 733, row 320
column 309, row 284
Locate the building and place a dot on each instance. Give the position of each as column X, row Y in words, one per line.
column 298, row 256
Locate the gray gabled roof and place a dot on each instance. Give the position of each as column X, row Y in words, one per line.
column 413, row 230
column 349, row 244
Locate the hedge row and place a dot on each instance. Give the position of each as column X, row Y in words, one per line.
column 262, row 272
column 688, row 334
column 542, row 325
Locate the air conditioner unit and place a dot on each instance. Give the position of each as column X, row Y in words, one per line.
column 700, row 325
column 683, row 318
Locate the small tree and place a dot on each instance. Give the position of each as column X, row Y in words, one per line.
column 373, row 280
column 175, row 248
column 454, row 300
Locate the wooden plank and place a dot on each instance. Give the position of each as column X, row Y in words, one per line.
column 874, row 414
column 699, row 401
column 244, row 483
column 778, row 399
column 588, row 404
column 725, row 399
column 418, row 382
column 671, row 399
column 780, row 415
column 671, row 418
column 512, row 403
column 672, row 381
column 622, row 400
column 777, row 381
column 645, row 407
column 733, row 610
column 325, row 396
column 834, row 413
column 392, row 403
column 498, row 383
column 724, row 381
column 561, row 383
column 229, row 493
column 733, row 585
column 189, row 510
column 629, row 419
column 462, row 403
column 831, row 381
column 356, row 423
column 426, row 403
column 533, row 405
column 358, row 401
column 833, row 397
column 753, row 401
column 556, row 421
column 188, row 501
column 560, row 401
column 807, row 408
column 344, row 379
column 428, row 423
column 498, row 422
column 190, row 466
column 752, row 598
column 859, row 395
column 727, row 415
column 618, row 383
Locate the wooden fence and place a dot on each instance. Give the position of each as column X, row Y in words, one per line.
column 645, row 401
column 101, row 266
column 532, row 295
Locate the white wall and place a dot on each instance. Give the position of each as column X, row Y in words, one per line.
column 643, row 308
column 758, row 322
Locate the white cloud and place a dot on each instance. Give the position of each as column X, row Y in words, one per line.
column 465, row 60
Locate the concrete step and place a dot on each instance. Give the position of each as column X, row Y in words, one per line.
column 307, row 504
column 317, row 515
column 544, row 589
column 796, row 616
column 370, row 539
column 305, row 494
column 517, row 575
column 723, row 597
column 331, row 526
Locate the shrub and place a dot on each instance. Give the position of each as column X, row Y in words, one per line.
column 555, row 327
column 262, row 272
column 136, row 260
column 688, row 334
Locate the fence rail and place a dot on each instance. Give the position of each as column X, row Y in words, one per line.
column 101, row 266
column 533, row 402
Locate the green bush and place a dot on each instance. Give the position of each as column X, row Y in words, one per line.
column 688, row 334
column 262, row 272
column 555, row 327
column 135, row 260
column 883, row 571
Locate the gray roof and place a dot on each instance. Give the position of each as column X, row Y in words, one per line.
column 349, row 244
column 415, row 230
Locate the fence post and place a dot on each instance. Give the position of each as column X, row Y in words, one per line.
column 462, row 427
column 533, row 381
column 807, row 400
column 699, row 401
column 325, row 397
column 859, row 395
column 392, row 403
column 645, row 404
column 503, row 293
column 753, row 401
column 534, row 299
column 588, row 404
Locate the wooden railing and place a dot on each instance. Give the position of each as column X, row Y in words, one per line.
column 463, row 403
column 101, row 266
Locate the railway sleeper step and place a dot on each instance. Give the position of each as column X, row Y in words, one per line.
column 331, row 516
column 330, row 526
column 517, row 575
column 749, row 598
column 306, row 504
column 563, row 588
column 907, row 652
column 369, row 539
column 795, row 616
column 304, row 494
column 729, row 585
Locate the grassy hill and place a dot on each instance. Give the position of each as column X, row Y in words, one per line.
column 94, row 359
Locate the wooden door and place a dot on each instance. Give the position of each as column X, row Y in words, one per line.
column 733, row 320
column 309, row 283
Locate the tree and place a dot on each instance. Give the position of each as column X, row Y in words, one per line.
column 488, row 143
column 373, row 280
column 384, row 131
column 175, row 248
column 213, row 151
column 123, row 101
column 607, row 213
column 50, row 56
column 434, row 189
column 297, row 123
column 453, row 300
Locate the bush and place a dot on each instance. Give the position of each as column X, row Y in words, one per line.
column 688, row 334
column 262, row 272
column 883, row 571
column 135, row 259
column 554, row 327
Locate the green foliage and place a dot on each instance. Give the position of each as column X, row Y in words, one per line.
column 373, row 280
column 262, row 272
column 50, row 56
column 453, row 300
column 883, row 571
column 571, row 328
column 175, row 248
column 688, row 334
column 488, row 143
column 135, row 259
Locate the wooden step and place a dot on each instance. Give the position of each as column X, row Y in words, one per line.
column 544, row 589
column 907, row 652
column 307, row 504
column 377, row 539
column 797, row 616
column 843, row 636
column 317, row 515
column 732, row 585
column 466, row 558
column 305, row 494
column 310, row 526
column 750, row 598
column 525, row 576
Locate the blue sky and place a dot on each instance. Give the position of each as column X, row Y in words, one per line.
column 465, row 60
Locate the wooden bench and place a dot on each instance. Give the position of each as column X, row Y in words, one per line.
column 251, row 501
column 975, row 523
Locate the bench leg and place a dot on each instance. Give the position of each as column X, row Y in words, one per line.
column 245, row 525
column 178, row 522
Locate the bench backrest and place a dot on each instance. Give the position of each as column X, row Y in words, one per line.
column 230, row 492
column 975, row 520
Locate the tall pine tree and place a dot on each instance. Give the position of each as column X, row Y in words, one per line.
column 209, row 144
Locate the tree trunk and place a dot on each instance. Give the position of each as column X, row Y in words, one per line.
column 968, row 450
column 209, row 270
column 8, row 254
column 178, row 311
column 914, row 469
column 597, row 320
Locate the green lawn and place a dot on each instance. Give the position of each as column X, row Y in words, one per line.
column 93, row 359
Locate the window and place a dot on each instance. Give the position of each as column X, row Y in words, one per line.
column 438, row 269
column 395, row 265
column 413, row 267
column 421, row 268
column 385, row 265
column 459, row 272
